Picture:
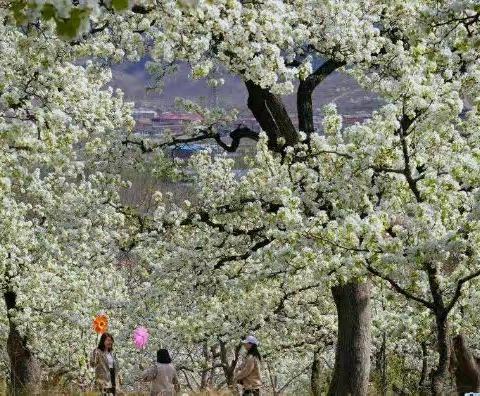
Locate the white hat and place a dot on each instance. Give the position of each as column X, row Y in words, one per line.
column 250, row 340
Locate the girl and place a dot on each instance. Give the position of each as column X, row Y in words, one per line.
column 162, row 375
column 106, row 367
column 249, row 373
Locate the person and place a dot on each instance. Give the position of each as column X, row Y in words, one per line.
column 106, row 367
column 162, row 375
column 248, row 374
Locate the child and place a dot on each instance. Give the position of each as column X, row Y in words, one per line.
column 162, row 375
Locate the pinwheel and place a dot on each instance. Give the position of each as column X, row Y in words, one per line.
column 140, row 337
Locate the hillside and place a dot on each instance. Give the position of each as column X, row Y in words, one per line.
column 133, row 79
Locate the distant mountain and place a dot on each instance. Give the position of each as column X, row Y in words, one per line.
column 133, row 79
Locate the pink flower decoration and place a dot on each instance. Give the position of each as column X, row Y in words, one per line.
column 140, row 337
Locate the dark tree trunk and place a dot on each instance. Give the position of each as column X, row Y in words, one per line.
column 272, row 116
column 315, row 382
column 204, row 377
column 24, row 372
column 466, row 369
column 229, row 367
column 423, row 374
column 305, row 92
column 305, row 106
column 440, row 374
column 352, row 358
column 381, row 365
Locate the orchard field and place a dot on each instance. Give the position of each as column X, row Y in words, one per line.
column 351, row 251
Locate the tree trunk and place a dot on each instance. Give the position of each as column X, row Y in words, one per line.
column 381, row 365
column 315, row 382
column 205, row 372
column 466, row 369
column 305, row 106
column 305, row 92
column 24, row 371
column 423, row 374
column 439, row 375
column 352, row 357
column 272, row 116
column 229, row 367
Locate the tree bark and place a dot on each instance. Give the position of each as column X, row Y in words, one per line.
column 466, row 369
column 315, row 383
column 423, row 374
column 381, row 365
column 352, row 357
column 305, row 92
column 24, row 371
column 229, row 367
column 272, row 116
column 205, row 372
column 440, row 373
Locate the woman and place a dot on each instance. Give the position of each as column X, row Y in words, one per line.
column 106, row 367
column 162, row 375
column 249, row 373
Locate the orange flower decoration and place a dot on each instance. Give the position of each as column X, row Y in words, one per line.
column 100, row 324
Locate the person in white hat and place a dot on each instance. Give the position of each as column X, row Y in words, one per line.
column 248, row 374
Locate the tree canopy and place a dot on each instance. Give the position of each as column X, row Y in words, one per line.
column 392, row 202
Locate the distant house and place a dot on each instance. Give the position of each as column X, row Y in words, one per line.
column 143, row 126
column 144, row 122
column 354, row 118
column 177, row 117
column 168, row 120
column 173, row 121
column 143, row 114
